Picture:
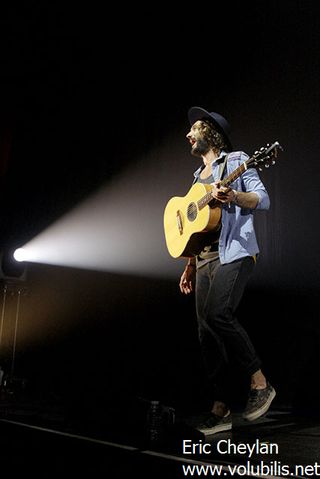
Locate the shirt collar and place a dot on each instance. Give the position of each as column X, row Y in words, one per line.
column 215, row 162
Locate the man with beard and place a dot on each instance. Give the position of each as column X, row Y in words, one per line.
column 221, row 270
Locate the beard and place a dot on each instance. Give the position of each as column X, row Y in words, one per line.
column 201, row 147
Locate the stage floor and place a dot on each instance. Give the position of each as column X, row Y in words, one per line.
column 39, row 440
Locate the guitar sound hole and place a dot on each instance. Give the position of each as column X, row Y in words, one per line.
column 192, row 211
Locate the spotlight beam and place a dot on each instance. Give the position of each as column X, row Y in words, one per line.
column 120, row 228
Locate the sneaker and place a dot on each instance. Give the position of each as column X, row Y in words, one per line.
column 214, row 424
column 259, row 402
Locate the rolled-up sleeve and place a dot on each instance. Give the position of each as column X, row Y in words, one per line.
column 264, row 200
column 253, row 183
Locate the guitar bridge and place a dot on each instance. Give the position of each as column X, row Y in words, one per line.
column 179, row 222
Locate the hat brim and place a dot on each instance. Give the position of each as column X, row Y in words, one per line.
column 197, row 113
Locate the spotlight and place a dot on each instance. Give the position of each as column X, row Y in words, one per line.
column 20, row 254
column 12, row 269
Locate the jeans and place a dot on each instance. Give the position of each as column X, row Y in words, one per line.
column 219, row 289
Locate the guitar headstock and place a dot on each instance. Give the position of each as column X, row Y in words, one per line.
column 266, row 156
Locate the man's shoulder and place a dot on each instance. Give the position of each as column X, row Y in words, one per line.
column 237, row 156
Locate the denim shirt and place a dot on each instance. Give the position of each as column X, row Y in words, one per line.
column 237, row 237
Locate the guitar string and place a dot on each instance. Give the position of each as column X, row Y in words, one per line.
column 258, row 157
column 193, row 207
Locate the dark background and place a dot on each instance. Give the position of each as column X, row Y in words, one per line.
column 85, row 93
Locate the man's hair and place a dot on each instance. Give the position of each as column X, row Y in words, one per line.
column 213, row 137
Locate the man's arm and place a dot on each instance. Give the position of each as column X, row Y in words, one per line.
column 187, row 280
column 249, row 200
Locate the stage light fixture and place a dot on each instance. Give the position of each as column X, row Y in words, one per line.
column 11, row 269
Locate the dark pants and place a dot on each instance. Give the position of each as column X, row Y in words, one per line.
column 219, row 289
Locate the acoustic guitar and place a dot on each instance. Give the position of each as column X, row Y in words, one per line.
column 188, row 220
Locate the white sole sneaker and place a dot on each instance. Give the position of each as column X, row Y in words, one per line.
column 255, row 414
column 215, row 424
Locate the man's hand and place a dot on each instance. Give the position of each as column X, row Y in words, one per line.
column 187, row 279
column 221, row 193
column 249, row 200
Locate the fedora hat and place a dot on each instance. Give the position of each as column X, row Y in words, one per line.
column 220, row 123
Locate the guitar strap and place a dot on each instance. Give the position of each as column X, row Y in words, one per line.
column 221, row 171
column 222, row 167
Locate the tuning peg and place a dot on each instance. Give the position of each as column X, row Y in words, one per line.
column 266, row 165
column 260, row 169
column 273, row 162
column 277, row 145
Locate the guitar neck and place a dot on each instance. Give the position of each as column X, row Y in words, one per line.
column 234, row 175
column 207, row 198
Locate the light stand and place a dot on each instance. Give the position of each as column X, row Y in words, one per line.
column 12, row 276
column 1, row 328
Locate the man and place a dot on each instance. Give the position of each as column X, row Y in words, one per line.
column 221, row 270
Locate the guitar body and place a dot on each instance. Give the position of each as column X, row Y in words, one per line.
column 186, row 225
